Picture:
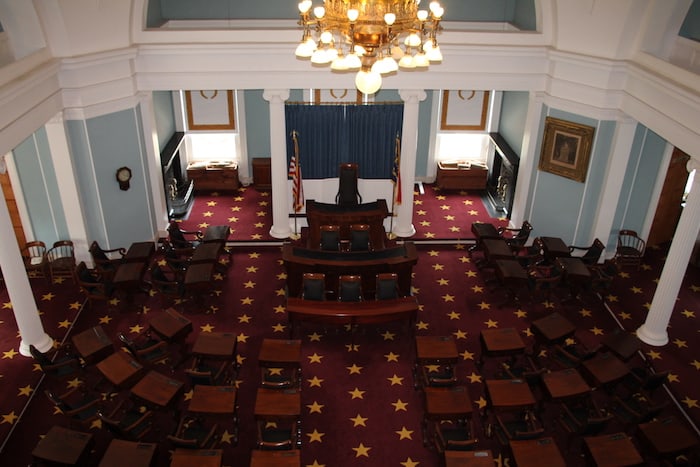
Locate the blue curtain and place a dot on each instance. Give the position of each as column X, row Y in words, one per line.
column 330, row 135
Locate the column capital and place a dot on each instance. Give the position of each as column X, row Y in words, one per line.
column 412, row 96
column 692, row 164
column 276, row 95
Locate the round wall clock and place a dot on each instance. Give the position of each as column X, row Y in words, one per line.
column 123, row 177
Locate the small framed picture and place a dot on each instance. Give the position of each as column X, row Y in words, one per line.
column 566, row 149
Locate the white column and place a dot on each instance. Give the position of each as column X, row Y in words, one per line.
column 403, row 227
column 278, row 153
column 23, row 305
column 653, row 331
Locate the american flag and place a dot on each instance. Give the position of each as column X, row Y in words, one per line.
column 295, row 174
column 396, row 172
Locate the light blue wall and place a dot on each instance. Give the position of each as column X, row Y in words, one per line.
column 40, row 188
column 165, row 116
column 154, row 18
column 423, row 149
column 257, row 123
column 691, row 26
column 100, row 146
column 525, row 16
column 511, row 126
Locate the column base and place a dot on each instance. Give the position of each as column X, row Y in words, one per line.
column 652, row 338
column 43, row 345
column 404, row 232
column 280, row 233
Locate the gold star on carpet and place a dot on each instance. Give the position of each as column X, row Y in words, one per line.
column 315, row 407
column 520, row 313
column 688, row 313
column 279, row 327
column 673, row 378
column 352, row 347
column 448, row 298
column 453, row 315
column 477, row 289
column 654, row 355
column 315, row 436
column 315, row 358
column 491, row 323
column 188, row 395
column 10, row 354
column 405, row 433
column 473, row 212
column 359, row 420
column 361, row 450
column 459, row 334
column 474, row 378
column 356, row 393
column 636, row 290
column 468, row 202
column 9, row 418
column 695, row 288
column 207, row 328
column 528, row 332
column 597, row 331
column 449, row 217
column 315, row 464
column 211, row 203
column 464, row 259
column 7, row 305
column 48, row 297
column 235, row 208
column 388, row 336
column 409, row 463
column 396, row 380
column 585, row 312
column 244, row 319
column 466, row 355
column 696, row 364
column 443, row 281
column 25, row 391
column 249, row 285
column 251, row 269
column 691, row 403
column 422, row 325
column 624, row 315
column 425, row 223
column 438, row 267
column 64, row 324
column 232, row 220
column 392, row 357
column 315, row 381
column 246, row 301
column 74, row 306
column 354, row 369
column 136, row 329
column 226, row 437
column 399, row 405
column 484, row 306
column 481, row 402
column 279, row 309
column 417, row 202
column 315, row 337
column 243, row 338
column 680, row 343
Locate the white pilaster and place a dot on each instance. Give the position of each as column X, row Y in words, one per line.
column 278, row 153
column 18, row 287
column 654, row 329
column 403, row 227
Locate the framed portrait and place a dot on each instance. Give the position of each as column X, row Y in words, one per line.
column 566, row 149
column 464, row 110
column 210, row 110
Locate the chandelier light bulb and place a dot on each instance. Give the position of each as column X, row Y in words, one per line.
column 339, row 63
column 303, row 50
column 320, row 57
column 353, row 62
column 422, row 15
column 434, row 54
column 434, row 5
column 389, row 18
column 353, row 14
column 405, row 62
column 305, row 6
column 319, row 12
column 326, row 37
column 413, row 40
column 439, row 12
column 359, row 50
column 368, row 82
column 421, row 60
column 390, row 65
column 397, row 52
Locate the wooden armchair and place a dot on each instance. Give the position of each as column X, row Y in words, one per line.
column 169, row 286
column 63, row 367
column 191, row 432
column 454, row 437
column 79, row 406
column 348, row 193
column 517, row 426
column 591, row 253
column 34, row 257
column 330, row 237
column 127, row 421
column 277, row 435
column 146, row 348
column 60, row 261
column 179, row 238
column 387, row 287
column 516, row 238
column 104, row 264
column 630, row 248
column 94, row 286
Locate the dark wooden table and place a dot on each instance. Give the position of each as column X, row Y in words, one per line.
column 64, row 447
column 277, row 404
column 511, row 276
column 509, row 394
column 285, row 353
column 93, row 344
column 504, row 342
column 216, row 233
column 450, row 403
column 482, row 230
column 157, row 389
column 120, row 369
column 494, row 249
column 554, row 247
column 667, row 436
column 536, row 453
column 170, row 325
column 216, row 345
column 605, row 369
column 565, row 384
column 437, row 349
column 552, row 329
column 140, row 252
column 199, row 278
column 122, row 453
column 213, row 400
column 575, row 274
column 469, row 459
column 259, row 458
column 612, row 450
column 199, row 457
column 623, row 344
column 207, row 253
column 128, row 279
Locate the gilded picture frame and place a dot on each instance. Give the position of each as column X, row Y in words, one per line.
column 566, row 149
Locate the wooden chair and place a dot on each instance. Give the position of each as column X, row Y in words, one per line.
column 277, row 435
column 60, row 260
column 630, row 248
column 348, row 194
column 78, row 405
column 146, row 348
column 591, row 253
column 450, row 436
column 169, row 286
column 92, row 285
column 330, row 237
column 350, row 288
column 313, row 286
column 127, row 421
column 516, row 238
column 104, row 264
column 360, row 238
column 210, row 373
column 63, row 367
column 191, row 432
column 517, row 426
column 179, row 237
column 34, row 257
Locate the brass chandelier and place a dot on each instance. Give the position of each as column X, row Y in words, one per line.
column 376, row 37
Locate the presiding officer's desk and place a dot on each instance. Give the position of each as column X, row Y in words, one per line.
column 372, row 214
column 399, row 259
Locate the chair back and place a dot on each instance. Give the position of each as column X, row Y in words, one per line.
column 350, row 288
column 592, row 255
column 38, row 356
column 330, row 237
column 34, row 256
column 313, row 286
column 520, row 238
column 348, row 193
column 630, row 248
column 360, row 237
column 387, row 287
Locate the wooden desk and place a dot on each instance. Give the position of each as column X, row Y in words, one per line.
column 481, row 231
column 667, row 436
column 368, row 264
column 199, row 274
column 93, row 344
column 495, row 248
column 129, row 278
column 260, row 458
column 554, row 247
column 451, row 403
column 575, row 274
column 605, row 369
column 277, row 404
column 372, row 214
column 280, row 353
column 207, row 252
column 552, row 329
column 351, row 313
column 461, row 176
column 216, row 233
column 436, row 349
column 623, row 344
column 505, row 342
column 170, row 325
column 140, row 252
column 63, row 446
column 157, row 389
column 612, row 450
column 565, row 384
column 469, row 459
column 216, row 345
column 122, row 453
column 536, row 453
column 221, row 176
column 511, row 276
column 199, row 457
column 509, row 394
column 213, row 400
column 120, row 369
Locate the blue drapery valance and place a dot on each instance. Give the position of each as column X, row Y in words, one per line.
column 330, row 135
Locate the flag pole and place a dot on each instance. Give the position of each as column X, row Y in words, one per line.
column 396, row 179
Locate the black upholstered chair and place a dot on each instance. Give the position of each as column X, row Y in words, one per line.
column 330, row 237
column 348, row 193
column 350, row 288
column 387, row 287
column 313, row 286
